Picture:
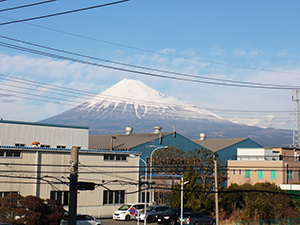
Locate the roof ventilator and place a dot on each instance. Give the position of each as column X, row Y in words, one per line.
column 202, row 136
column 128, row 130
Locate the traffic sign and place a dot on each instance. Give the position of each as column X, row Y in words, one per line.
column 132, row 211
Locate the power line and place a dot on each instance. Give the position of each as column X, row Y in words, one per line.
column 25, row 6
column 159, row 53
column 139, row 67
column 63, row 13
column 51, row 55
column 78, row 93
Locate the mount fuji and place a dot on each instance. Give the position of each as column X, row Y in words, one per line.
column 132, row 103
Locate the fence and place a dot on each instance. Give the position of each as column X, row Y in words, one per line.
column 293, row 221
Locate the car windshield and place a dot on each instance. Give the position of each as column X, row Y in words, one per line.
column 171, row 210
column 149, row 209
column 124, row 207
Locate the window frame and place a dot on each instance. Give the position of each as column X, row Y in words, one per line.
column 113, row 197
column 247, row 173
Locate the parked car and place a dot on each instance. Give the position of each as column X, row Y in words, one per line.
column 170, row 216
column 197, row 218
column 151, row 212
column 123, row 212
column 82, row 220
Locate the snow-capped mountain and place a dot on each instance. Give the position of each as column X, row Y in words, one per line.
column 132, row 103
column 136, row 98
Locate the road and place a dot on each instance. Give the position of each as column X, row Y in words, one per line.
column 120, row 222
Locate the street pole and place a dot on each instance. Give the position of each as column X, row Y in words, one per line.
column 216, row 192
column 73, row 186
column 150, row 197
column 145, row 209
column 181, row 213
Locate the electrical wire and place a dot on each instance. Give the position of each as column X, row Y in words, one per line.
column 25, row 6
column 51, row 55
column 159, row 53
column 140, row 67
column 62, row 13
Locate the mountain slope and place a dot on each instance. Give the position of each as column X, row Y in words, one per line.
column 132, row 103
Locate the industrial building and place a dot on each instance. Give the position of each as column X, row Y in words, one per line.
column 28, row 168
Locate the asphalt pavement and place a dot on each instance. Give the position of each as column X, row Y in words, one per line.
column 121, row 222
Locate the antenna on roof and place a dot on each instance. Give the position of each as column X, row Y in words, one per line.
column 174, row 132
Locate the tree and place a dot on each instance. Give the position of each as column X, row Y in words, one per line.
column 30, row 210
column 8, row 207
column 258, row 202
column 170, row 160
column 197, row 167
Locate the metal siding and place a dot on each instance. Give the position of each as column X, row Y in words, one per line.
column 50, row 135
column 227, row 153
column 178, row 142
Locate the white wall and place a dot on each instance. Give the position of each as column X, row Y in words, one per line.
column 26, row 133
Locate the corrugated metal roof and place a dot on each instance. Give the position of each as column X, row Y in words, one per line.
column 218, row 144
column 122, row 141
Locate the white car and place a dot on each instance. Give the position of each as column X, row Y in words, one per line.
column 83, row 220
column 123, row 212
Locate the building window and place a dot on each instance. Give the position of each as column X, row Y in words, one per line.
column 233, row 172
column 260, row 174
column 45, row 146
column 299, row 175
column 273, row 174
column 290, row 174
column 10, row 154
column 247, row 174
column 113, row 197
column 60, row 146
column 19, row 145
column 115, row 157
column 61, row 197
column 6, row 193
column 240, row 172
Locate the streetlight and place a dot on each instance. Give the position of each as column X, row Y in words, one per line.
column 145, row 207
column 160, row 147
column 182, row 184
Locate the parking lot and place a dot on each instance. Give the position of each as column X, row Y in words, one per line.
column 120, row 222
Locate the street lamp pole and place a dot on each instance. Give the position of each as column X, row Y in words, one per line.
column 145, row 207
column 146, row 175
column 182, row 184
column 160, row 147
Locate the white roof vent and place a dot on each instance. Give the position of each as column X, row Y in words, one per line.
column 128, row 130
column 157, row 130
column 202, row 136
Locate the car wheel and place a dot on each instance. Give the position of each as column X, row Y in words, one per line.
column 149, row 219
column 172, row 222
column 196, row 223
column 127, row 218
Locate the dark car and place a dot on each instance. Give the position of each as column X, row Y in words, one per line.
column 197, row 218
column 170, row 216
column 151, row 212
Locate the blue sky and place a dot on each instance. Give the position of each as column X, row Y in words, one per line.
column 205, row 38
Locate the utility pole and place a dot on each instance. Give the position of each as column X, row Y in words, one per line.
column 216, row 191
column 296, row 130
column 73, row 186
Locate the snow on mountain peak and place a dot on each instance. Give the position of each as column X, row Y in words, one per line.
column 144, row 99
column 133, row 91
